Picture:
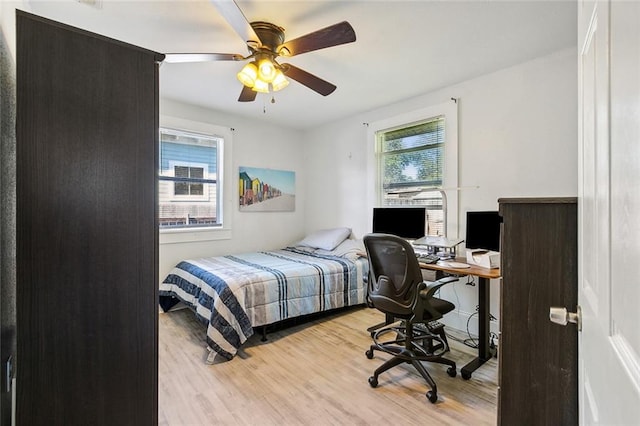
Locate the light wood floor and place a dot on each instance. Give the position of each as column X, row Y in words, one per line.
column 311, row 374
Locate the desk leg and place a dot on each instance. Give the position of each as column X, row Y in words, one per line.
column 484, row 353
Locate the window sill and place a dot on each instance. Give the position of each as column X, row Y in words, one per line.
column 177, row 236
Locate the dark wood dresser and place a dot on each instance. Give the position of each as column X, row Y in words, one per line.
column 538, row 380
column 86, row 227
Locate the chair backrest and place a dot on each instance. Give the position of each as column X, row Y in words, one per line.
column 394, row 273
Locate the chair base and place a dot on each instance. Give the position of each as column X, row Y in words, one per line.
column 413, row 348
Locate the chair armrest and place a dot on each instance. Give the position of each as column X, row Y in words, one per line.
column 425, row 292
column 429, row 289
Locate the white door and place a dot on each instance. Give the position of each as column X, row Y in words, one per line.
column 609, row 211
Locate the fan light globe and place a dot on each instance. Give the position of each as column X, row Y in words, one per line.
column 266, row 70
column 279, row 82
column 248, row 75
column 261, row 86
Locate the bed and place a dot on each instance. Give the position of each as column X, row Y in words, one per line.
column 232, row 294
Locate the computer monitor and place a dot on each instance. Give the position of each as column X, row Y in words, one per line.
column 483, row 230
column 405, row 222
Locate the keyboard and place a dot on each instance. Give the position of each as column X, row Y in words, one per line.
column 427, row 258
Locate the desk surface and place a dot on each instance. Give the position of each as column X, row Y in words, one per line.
column 471, row 270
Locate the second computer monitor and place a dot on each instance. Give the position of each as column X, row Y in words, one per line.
column 405, row 222
column 483, row 230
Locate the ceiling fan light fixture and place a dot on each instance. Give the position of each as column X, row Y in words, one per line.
column 279, row 82
column 261, row 86
column 266, row 43
column 248, row 75
column 266, row 70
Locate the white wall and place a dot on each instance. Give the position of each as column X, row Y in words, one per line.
column 253, row 144
column 335, row 164
column 517, row 136
column 8, row 25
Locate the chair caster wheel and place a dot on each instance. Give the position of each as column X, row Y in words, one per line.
column 369, row 354
column 465, row 375
column 432, row 397
column 451, row 371
column 373, row 381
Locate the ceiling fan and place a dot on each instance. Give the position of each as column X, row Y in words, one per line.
column 266, row 43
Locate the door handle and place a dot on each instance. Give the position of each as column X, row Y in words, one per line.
column 560, row 316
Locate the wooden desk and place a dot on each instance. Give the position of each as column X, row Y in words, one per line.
column 484, row 276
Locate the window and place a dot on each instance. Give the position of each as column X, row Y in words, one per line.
column 189, row 179
column 410, row 161
column 192, row 185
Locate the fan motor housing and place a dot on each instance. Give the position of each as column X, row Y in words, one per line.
column 271, row 36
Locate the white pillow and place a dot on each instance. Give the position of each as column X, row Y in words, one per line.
column 326, row 239
column 350, row 249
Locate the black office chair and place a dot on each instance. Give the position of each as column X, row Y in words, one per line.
column 397, row 289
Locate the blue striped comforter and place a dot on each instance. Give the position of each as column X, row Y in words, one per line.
column 234, row 293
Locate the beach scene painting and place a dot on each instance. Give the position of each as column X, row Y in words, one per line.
column 266, row 190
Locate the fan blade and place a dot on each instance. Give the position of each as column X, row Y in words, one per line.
column 330, row 36
column 311, row 81
column 247, row 94
column 201, row 57
column 231, row 12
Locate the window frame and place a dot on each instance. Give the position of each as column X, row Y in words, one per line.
column 448, row 110
column 190, row 165
column 224, row 188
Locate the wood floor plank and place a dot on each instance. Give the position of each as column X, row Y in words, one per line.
column 313, row 373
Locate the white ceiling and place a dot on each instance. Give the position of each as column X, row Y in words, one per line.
column 403, row 48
